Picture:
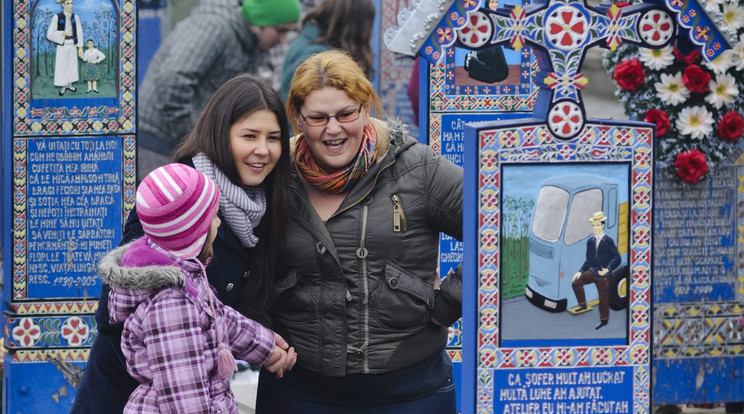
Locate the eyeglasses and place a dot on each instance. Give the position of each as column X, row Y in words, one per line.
column 342, row 117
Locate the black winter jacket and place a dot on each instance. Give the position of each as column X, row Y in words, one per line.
column 357, row 292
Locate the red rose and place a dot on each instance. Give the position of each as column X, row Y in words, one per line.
column 691, row 166
column 660, row 118
column 696, row 79
column 629, row 74
column 731, row 126
column 689, row 59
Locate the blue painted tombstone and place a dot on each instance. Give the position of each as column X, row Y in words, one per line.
column 68, row 162
column 455, row 99
column 502, row 361
column 697, row 232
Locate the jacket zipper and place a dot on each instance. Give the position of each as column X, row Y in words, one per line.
column 362, row 254
column 399, row 215
column 363, row 251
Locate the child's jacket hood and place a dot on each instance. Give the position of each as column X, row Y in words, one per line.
column 137, row 270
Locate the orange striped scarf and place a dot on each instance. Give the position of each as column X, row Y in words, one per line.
column 340, row 180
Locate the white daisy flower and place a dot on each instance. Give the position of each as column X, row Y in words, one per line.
column 656, row 59
column 737, row 55
column 723, row 91
column 733, row 16
column 695, row 122
column 671, row 89
column 712, row 6
column 722, row 63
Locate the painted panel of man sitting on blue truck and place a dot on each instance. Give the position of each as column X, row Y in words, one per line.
column 565, row 234
column 579, row 246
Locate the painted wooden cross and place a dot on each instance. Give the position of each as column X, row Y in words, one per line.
column 560, row 33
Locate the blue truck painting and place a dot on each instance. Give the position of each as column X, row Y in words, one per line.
column 559, row 229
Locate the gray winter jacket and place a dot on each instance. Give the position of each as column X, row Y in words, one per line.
column 357, row 292
column 211, row 46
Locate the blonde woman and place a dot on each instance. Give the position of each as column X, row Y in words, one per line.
column 355, row 294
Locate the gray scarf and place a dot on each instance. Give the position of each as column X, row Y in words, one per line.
column 242, row 208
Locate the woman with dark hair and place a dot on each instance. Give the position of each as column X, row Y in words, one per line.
column 241, row 142
column 333, row 24
column 221, row 116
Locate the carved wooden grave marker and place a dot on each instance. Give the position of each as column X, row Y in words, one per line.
column 553, row 367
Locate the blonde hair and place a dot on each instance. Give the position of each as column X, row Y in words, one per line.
column 332, row 68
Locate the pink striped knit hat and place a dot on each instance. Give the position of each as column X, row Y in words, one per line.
column 176, row 204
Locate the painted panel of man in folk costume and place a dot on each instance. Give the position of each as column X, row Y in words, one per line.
column 74, row 49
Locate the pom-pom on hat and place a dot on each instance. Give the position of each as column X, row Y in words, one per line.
column 271, row 12
column 176, row 204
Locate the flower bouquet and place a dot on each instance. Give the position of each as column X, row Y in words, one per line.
column 696, row 105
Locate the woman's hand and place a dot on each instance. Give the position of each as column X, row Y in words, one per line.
column 282, row 358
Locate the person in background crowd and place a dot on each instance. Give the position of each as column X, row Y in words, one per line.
column 179, row 340
column 333, row 24
column 241, row 141
column 272, row 68
column 218, row 41
column 413, row 89
column 356, row 295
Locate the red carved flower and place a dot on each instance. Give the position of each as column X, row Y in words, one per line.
column 629, row 75
column 731, row 126
column 696, row 79
column 27, row 332
column 691, row 166
column 75, row 331
column 660, row 118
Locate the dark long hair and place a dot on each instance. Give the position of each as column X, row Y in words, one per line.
column 234, row 100
column 347, row 25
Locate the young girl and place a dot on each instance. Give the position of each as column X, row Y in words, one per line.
column 178, row 338
column 92, row 57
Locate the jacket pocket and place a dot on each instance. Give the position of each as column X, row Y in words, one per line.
column 403, row 301
column 294, row 301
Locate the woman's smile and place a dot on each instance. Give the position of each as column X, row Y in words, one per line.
column 335, row 144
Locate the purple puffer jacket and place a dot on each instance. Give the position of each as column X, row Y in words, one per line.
column 170, row 336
